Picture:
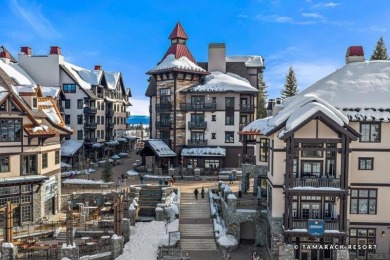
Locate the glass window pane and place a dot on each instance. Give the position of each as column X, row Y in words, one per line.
column 363, row 206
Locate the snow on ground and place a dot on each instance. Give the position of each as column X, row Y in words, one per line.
column 228, row 240
column 145, row 237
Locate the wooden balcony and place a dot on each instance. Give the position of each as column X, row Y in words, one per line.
column 197, row 125
column 247, row 108
column 164, row 124
column 316, row 182
column 163, row 107
column 197, row 142
column 90, row 110
column 329, row 224
column 198, row 107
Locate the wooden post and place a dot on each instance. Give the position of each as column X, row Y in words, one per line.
column 118, row 216
column 69, row 225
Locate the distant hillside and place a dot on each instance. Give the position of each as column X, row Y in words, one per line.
column 137, row 120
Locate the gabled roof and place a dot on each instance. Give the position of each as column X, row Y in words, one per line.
column 178, row 32
column 179, row 50
column 152, row 87
column 77, row 80
column 159, row 148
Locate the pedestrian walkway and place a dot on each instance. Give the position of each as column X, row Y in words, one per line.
column 196, row 224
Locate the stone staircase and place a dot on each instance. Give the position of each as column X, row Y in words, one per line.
column 149, row 197
column 196, row 224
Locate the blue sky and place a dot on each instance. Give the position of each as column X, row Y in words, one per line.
column 131, row 36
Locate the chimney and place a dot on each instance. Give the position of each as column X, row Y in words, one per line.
column 98, row 67
column 354, row 54
column 26, row 50
column 55, row 50
column 217, row 57
column 5, row 54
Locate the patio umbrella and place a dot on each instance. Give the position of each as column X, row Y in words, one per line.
column 115, row 157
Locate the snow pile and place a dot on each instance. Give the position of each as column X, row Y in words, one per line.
column 8, row 245
column 64, row 245
column 231, row 197
column 75, row 70
column 51, row 113
column 161, row 148
column 221, row 82
column 205, row 151
column 227, row 241
column 115, row 236
column 40, row 128
column 112, row 79
column 84, row 182
column 132, row 173
column 50, row 91
column 183, row 63
column 144, row 240
column 70, row 147
column 249, row 60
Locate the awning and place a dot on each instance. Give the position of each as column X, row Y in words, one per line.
column 70, row 147
column 204, row 152
column 97, row 145
column 159, row 148
column 121, row 140
column 112, row 143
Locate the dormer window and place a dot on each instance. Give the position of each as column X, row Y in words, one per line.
column 182, row 41
column 174, row 41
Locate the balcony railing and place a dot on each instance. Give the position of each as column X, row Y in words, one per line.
column 100, row 95
column 109, row 125
column 247, row 108
column 164, row 124
column 198, row 107
column 197, row 142
column 316, row 182
column 90, row 110
column 90, row 125
column 329, row 224
column 163, row 107
column 197, row 125
column 109, row 112
column 90, row 140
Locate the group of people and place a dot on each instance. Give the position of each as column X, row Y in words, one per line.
column 196, row 192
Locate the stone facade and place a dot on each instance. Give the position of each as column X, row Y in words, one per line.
column 87, row 197
column 126, row 230
column 160, row 214
column 37, row 201
column 9, row 252
column 286, row 252
column 116, row 246
column 342, row 254
column 252, row 170
column 70, row 252
column 276, row 230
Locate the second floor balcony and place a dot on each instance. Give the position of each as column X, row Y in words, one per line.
column 197, row 125
column 90, row 125
column 164, row 124
column 109, row 125
column 198, row 106
column 315, row 182
column 191, row 142
column 90, row 110
column 163, row 107
column 247, row 108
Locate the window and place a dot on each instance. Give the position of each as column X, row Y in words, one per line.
column 366, row 163
column 363, row 201
column 26, row 213
column 197, row 136
column 98, row 134
column 34, row 102
column 213, row 117
column 98, row 120
column 4, row 164
column 310, row 150
column 362, row 236
column 102, row 134
column 371, row 132
column 211, row 164
column 229, row 137
column 69, row 88
column 331, row 160
column 67, row 103
column 311, row 169
column 57, row 157
column 102, row 120
column 67, row 119
column 263, row 156
column 229, row 111
column 80, row 103
column 3, row 106
column 44, row 160
column 11, row 130
column 213, row 100
column 213, row 135
column 197, row 102
column 80, row 135
column 29, row 164
column 79, row 119
column 165, row 94
column 25, row 188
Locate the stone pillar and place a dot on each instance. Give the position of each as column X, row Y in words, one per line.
column 9, row 251
column 159, row 214
column 70, row 252
column 171, row 171
column 261, row 229
column 286, row 252
column 342, row 254
column 116, row 246
column 126, row 230
column 132, row 214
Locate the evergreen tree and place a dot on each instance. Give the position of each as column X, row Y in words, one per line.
column 107, row 171
column 261, row 98
column 290, row 87
column 380, row 52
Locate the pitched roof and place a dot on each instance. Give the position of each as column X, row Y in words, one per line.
column 41, row 130
column 179, row 50
column 152, row 87
column 178, row 32
column 170, row 63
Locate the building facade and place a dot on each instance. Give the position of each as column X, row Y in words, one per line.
column 200, row 107
column 326, row 152
column 93, row 102
column 31, row 130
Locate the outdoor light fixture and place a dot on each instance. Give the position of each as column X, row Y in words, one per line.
column 383, row 234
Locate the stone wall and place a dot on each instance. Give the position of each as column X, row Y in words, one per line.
column 276, row 237
column 100, row 198
column 36, row 202
column 253, row 171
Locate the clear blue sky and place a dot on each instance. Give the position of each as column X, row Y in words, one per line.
column 131, row 36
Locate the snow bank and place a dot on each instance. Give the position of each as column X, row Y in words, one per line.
column 227, row 241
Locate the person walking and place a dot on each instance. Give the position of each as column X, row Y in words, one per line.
column 141, row 179
column 231, row 178
column 202, row 193
column 196, row 193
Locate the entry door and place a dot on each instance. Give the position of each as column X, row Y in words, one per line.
column 310, row 210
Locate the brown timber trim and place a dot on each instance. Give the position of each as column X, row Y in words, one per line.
column 369, row 224
column 371, row 184
column 317, row 140
column 368, row 150
column 278, row 149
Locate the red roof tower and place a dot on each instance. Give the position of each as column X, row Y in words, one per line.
column 178, row 46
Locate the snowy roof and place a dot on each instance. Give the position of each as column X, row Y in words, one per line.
column 181, row 64
column 220, row 82
column 92, row 77
column 206, row 151
column 50, row 91
column 23, row 179
column 70, row 147
column 47, row 106
column 76, row 73
column 24, row 89
column 112, row 79
column 15, row 72
column 161, row 148
column 249, row 60
column 3, row 93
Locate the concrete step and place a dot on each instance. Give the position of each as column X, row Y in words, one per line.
column 198, row 244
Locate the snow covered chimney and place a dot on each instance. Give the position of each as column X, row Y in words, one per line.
column 217, row 57
column 354, row 54
column 26, row 50
column 98, row 67
column 55, row 50
column 277, row 107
